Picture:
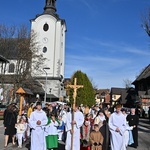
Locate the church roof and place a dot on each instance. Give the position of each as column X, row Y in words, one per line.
column 50, row 9
column 3, row 59
column 32, row 84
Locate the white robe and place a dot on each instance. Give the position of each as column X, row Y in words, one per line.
column 51, row 129
column 38, row 141
column 126, row 136
column 117, row 138
column 79, row 118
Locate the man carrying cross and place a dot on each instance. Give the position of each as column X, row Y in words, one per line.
column 75, row 132
column 74, row 121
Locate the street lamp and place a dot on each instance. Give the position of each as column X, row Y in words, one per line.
column 50, row 93
column 44, row 69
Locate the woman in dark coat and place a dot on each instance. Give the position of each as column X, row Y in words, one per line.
column 133, row 120
column 10, row 119
column 105, row 130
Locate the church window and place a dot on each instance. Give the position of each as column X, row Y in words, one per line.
column 44, row 49
column 45, row 27
column 11, row 68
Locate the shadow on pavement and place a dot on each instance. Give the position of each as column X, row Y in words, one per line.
column 61, row 146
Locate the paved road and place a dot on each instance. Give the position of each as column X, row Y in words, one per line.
column 25, row 145
column 144, row 137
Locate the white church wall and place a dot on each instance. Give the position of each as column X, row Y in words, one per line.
column 46, row 39
column 52, row 87
column 7, row 67
column 52, row 37
column 57, row 49
column 62, row 50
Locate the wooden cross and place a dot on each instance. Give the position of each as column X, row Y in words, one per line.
column 75, row 87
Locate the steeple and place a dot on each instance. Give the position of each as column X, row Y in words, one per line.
column 50, row 7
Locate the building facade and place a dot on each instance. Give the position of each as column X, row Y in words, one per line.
column 102, row 97
column 125, row 96
column 142, row 86
column 50, row 33
column 47, row 80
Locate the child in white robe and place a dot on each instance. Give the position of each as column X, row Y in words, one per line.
column 26, row 126
column 117, row 127
column 128, row 139
column 52, row 133
column 20, row 131
column 37, row 122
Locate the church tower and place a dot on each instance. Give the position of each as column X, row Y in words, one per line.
column 50, row 35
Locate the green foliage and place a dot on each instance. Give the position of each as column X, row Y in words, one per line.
column 85, row 95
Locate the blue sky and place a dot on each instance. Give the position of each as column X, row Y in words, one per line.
column 104, row 38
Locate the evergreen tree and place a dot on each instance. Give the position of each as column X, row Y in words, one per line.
column 85, row 95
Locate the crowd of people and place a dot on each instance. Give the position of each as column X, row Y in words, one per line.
column 82, row 127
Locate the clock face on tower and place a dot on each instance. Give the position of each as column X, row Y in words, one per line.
column 45, row 40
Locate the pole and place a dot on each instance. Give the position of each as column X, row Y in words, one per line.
column 21, row 92
column 75, row 87
column 50, row 93
column 21, row 102
column 45, row 87
column 72, row 136
column 74, row 104
column 45, row 83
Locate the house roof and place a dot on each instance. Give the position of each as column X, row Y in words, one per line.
column 24, row 91
column 3, row 59
column 141, row 93
column 115, row 90
column 102, row 91
column 144, row 74
column 144, row 94
column 31, row 83
column 148, row 92
column 125, row 94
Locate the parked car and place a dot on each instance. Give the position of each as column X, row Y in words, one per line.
column 2, row 109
